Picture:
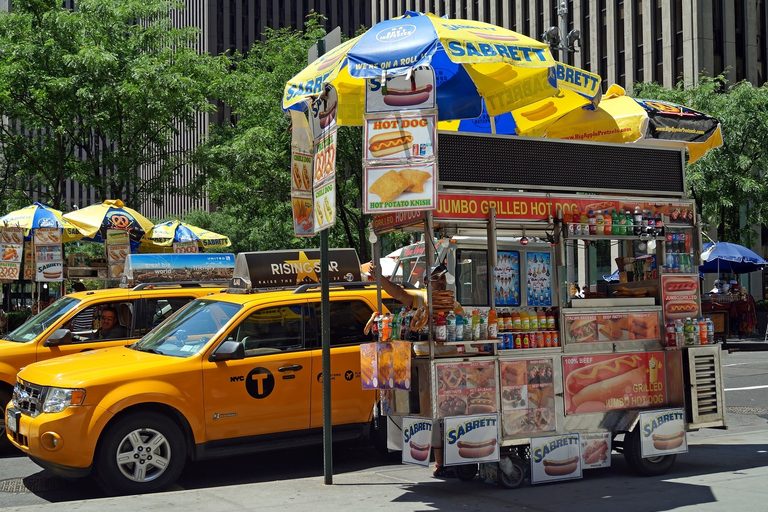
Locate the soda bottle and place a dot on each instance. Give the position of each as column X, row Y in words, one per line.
column 607, row 223
column 493, row 325
column 404, row 324
column 599, row 221
column 651, row 223
column 468, row 327
column 696, row 335
column 629, row 227
column 659, row 223
column 688, row 331
column 702, row 331
column 533, row 320
column 614, row 222
column 575, row 226
column 671, row 339
column 396, row 325
column 592, row 222
column 440, row 328
column 475, row 325
column 542, row 320
column 386, row 328
column 679, row 333
column 483, row 326
column 637, row 221
column 450, row 327
column 459, row 325
column 550, row 319
column 375, row 327
column 645, row 222
column 584, row 223
column 525, row 322
column 710, row 331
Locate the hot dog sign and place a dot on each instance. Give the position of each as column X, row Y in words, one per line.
column 417, row 440
column 555, row 458
column 471, row 439
column 662, row 432
column 599, row 383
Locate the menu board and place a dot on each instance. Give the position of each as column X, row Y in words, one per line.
column 117, row 248
column 466, row 388
column 506, row 278
column 599, row 383
column 386, row 365
column 11, row 250
column 49, row 260
column 612, row 327
column 527, row 396
column 680, row 294
column 539, row 278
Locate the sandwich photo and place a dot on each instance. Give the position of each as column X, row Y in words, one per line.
column 591, row 387
column 581, row 330
column 643, row 327
column 407, row 97
column 390, row 143
column 482, row 402
column 612, row 328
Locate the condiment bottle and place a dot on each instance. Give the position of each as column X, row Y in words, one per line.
column 440, row 327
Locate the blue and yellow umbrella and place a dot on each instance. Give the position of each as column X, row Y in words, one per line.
column 166, row 233
column 38, row 215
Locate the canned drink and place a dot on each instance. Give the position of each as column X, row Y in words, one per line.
column 422, row 149
column 555, row 339
column 518, row 340
column 526, row 340
column 540, row 339
column 547, row 339
column 501, row 342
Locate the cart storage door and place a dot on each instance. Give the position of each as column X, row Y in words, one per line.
column 705, row 404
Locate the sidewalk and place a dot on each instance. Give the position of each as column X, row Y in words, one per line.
column 723, row 470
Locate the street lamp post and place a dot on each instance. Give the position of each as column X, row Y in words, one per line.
column 553, row 35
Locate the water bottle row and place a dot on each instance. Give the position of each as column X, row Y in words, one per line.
column 690, row 332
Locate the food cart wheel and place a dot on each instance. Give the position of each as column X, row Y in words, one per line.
column 650, row 466
column 510, row 474
column 466, row 471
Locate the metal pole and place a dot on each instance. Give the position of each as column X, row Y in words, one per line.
column 325, row 301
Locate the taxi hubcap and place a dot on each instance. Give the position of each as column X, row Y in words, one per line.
column 143, row 455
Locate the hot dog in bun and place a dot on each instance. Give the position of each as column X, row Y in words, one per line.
column 469, row 450
column 561, row 467
column 329, row 61
column 407, row 97
column 680, row 309
column 418, row 451
column 596, row 451
column 680, row 286
column 480, row 403
column 668, row 442
column 389, row 143
column 601, row 381
column 494, row 36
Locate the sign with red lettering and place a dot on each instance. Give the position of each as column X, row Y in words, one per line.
column 599, row 383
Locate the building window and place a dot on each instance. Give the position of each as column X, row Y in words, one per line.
column 658, row 47
column 603, row 43
column 762, row 61
column 585, row 36
column 621, row 72
column 539, row 19
column 637, row 29
column 741, row 39
column 677, row 64
column 245, row 28
column 717, row 37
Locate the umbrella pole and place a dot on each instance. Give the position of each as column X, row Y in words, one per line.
column 493, row 124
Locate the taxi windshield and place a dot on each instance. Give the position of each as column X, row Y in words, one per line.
column 189, row 329
column 35, row 325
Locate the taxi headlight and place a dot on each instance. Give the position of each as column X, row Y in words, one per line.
column 58, row 399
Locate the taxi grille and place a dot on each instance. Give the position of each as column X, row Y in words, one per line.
column 27, row 397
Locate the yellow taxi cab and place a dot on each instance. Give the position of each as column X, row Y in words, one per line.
column 70, row 324
column 232, row 373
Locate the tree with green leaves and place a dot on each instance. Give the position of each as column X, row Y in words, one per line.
column 729, row 184
column 97, row 94
column 246, row 163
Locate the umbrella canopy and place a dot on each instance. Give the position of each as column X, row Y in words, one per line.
column 38, row 215
column 94, row 221
column 166, row 233
column 472, row 60
column 730, row 257
column 620, row 118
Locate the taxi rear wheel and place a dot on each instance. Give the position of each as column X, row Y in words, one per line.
column 5, row 444
column 140, row 453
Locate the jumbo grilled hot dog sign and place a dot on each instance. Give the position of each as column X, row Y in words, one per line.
column 555, row 458
column 471, row 439
column 599, row 383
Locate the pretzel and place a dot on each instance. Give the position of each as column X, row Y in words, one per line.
column 420, row 319
column 369, row 324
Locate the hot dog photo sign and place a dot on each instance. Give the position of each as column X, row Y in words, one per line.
column 417, row 440
column 402, row 92
column 555, row 458
column 681, row 296
column 595, row 450
column 662, row 432
column 470, row 439
column 599, row 383
column 399, row 137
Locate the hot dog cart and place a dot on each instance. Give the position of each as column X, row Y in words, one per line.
column 569, row 379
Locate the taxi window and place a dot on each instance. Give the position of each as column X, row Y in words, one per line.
column 271, row 330
column 35, row 325
column 158, row 309
column 348, row 319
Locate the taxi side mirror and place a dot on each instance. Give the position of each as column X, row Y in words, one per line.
column 59, row 337
column 227, row 351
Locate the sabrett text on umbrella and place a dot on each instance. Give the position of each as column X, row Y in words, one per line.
column 460, row 49
column 310, row 87
column 576, row 77
column 511, row 97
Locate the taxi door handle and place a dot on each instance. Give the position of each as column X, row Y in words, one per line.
column 292, row 368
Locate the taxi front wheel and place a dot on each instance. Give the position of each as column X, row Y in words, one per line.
column 140, row 453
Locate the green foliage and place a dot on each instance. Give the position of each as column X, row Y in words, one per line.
column 246, row 163
column 728, row 183
column 94, row 95
column 761, row 305
column 16, row 318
